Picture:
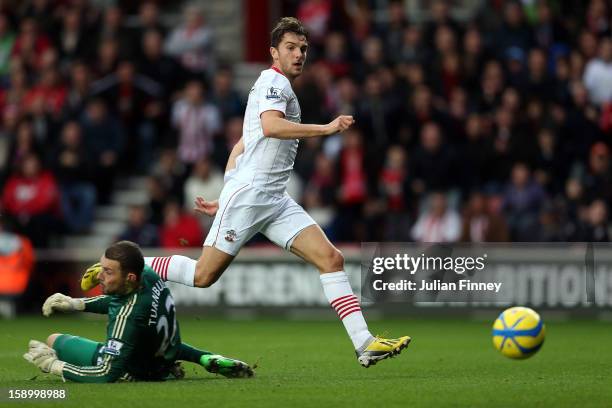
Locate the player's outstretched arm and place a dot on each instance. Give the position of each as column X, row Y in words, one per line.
column 274, row 124
column 62, row 303
column 59, row 302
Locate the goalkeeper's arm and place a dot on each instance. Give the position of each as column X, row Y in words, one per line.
column 97, row 304
column 61, row 303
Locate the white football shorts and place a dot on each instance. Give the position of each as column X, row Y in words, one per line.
column 245, row 211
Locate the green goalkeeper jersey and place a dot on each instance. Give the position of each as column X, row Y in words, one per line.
column 142, row 336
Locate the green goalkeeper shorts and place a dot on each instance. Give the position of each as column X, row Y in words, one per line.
column 77, row 350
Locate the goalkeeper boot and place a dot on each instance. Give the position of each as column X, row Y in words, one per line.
column 380, row 348
column 177, row 370
column 90, row 280
column 227, row 367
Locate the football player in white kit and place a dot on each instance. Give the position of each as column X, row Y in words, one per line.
column 254, row 198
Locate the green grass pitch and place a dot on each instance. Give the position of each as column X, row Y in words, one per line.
column 451, row 362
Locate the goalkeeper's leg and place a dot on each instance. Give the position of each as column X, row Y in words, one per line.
column 214, row 363
column 191, row 354
column 75, row 350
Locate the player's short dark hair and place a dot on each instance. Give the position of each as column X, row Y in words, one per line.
column 286, row 25
column 129, row 256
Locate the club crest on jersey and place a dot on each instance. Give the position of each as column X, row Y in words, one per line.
column 230, row 235
column 273, row 93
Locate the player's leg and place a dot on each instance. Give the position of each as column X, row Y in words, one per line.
column 236, row 221
column 181, row 269
column 75, row 350
column 294, row 230
column 202, row 272
column 214, row 363
column 220, row 246
column 312, row 245
column 242, row 210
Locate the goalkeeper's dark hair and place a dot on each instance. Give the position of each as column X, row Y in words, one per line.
column 129, row 256
column 286, row 25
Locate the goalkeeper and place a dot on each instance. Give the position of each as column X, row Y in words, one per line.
column 143, row 340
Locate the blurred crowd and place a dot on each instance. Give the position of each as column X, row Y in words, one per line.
column 86, row 99
column 494, row 129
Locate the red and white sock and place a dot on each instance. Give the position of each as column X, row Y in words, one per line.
column 175, row 268
column 341, row 297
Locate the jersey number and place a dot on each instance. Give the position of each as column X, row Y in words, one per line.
column 169, row 332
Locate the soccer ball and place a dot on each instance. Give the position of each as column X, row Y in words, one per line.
column 518, row 332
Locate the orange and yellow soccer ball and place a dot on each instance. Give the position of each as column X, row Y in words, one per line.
column 518, row 332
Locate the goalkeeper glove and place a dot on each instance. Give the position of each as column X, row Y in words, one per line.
column 44, row 357
column 38, row 345
column 62, row 303
column 90, row 280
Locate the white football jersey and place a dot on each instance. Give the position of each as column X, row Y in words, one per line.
column 266, row 163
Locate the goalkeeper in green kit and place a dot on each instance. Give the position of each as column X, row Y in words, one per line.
column 142, row 341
